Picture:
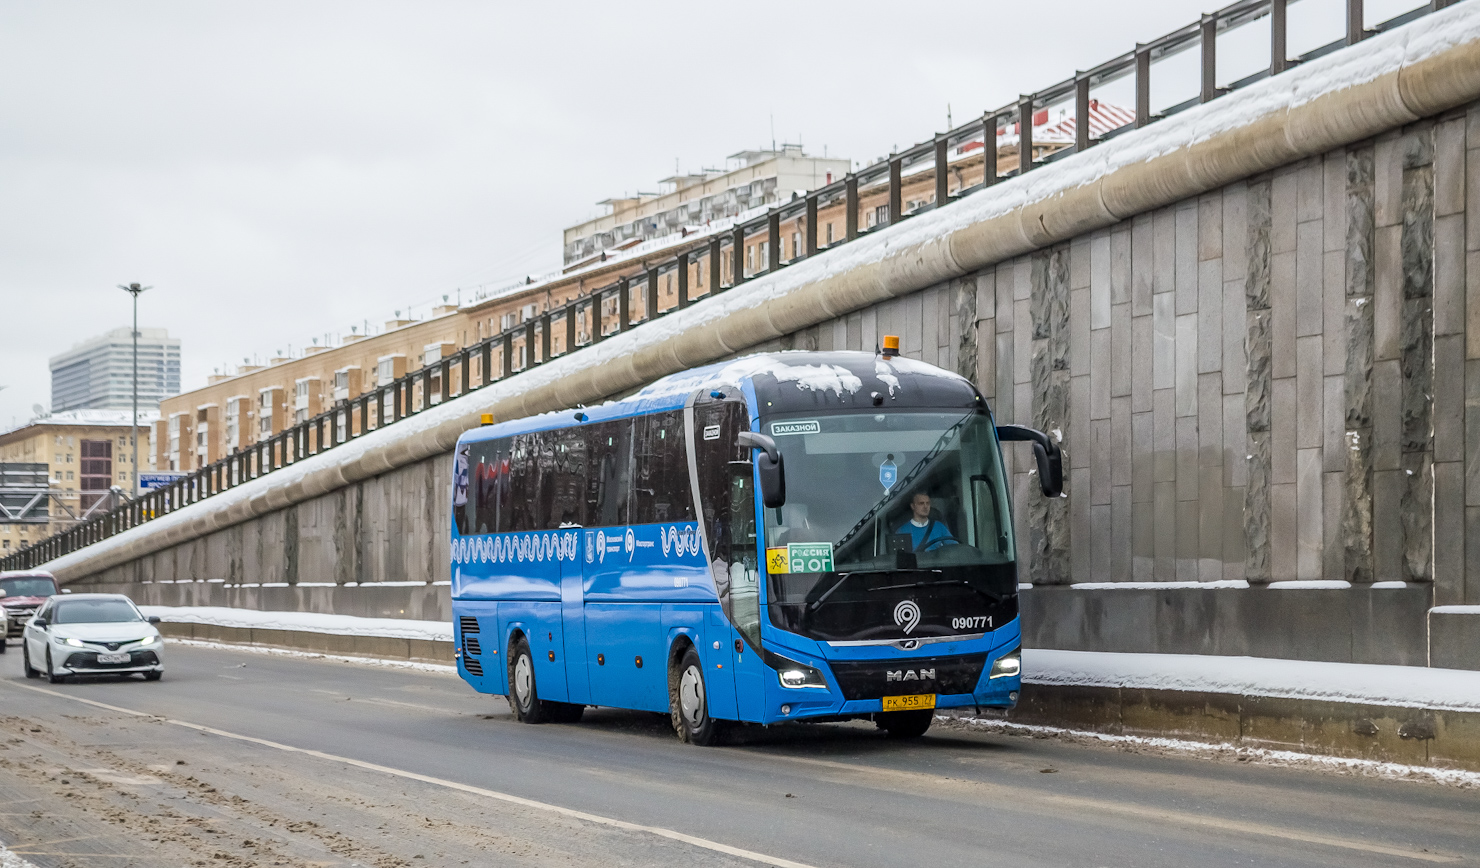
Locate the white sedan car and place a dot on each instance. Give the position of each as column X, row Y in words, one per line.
column 91, row 634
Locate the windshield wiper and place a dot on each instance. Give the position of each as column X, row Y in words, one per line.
column 843, row 577
column 996, row 598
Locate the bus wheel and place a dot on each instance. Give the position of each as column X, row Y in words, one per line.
column 524, row 697
column 687, row 703
column 904, row 724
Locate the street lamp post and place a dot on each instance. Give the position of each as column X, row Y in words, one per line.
column 135, row 290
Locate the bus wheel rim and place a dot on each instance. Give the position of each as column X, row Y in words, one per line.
column 522, row 678
column 691, row 696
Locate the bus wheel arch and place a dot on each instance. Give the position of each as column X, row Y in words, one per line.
column 688, row 704
column 524, row 694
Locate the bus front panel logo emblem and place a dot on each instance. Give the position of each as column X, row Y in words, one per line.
column 630, row 543
column 590, row 546
column 601, row 545
column 907, row 615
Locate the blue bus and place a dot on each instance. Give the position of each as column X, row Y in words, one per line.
column 790, row 536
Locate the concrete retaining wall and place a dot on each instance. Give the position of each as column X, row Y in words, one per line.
column 1256, row 324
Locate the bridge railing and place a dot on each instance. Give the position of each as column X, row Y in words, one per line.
column 699, row 269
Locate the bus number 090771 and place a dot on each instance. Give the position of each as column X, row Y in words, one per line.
column 980, row 622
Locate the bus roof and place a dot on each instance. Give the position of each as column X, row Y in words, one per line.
column 791, row 381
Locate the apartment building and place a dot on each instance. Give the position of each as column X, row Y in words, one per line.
column 81, row 455
column 684, row 203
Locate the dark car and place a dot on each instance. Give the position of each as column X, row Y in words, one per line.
column 21, row 593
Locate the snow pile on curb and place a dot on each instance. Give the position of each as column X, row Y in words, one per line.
column 303, row 622
column 10, row 860
column 1362, row 683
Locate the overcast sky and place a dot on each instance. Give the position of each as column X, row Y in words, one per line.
column 280, row 171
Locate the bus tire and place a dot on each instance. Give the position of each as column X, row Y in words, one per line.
column 688, row 702
column 524, row 696
column 904, row 724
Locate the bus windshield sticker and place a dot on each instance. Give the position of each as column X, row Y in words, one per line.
column 779, row 429
column 777, row 562
column 888, row 473
column 809, row 557
column 711, row 432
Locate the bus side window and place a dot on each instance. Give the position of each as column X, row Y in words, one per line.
column 487, row 484
column 609, row 480
column 661, row 470
column 568, row 504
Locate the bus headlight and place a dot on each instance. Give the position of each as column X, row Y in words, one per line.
column 1009, row 665
column 798, row 675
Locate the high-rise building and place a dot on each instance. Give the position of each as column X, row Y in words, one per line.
column 97, row 374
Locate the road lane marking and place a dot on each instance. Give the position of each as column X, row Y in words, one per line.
column 597, row 819
column 876, row 774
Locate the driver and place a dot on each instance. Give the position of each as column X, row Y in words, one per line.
column 926, row 533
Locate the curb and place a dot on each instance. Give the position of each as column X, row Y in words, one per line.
column 1380, row 733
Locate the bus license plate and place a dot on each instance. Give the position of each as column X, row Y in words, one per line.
column 123, row 658
column 909, row 703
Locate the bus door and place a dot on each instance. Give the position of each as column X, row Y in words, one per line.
column 724, row 478
column 573, row 621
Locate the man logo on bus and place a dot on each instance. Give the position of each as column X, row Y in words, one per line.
column 907, row 615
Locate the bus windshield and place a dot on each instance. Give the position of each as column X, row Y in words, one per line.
column 876, row 486
column 882, row 506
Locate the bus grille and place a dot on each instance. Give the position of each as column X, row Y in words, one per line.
column 469, row 624
column 871, row 679
column 471, row 646
column 474, row 667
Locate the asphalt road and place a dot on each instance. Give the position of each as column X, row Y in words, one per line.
column 256, row 759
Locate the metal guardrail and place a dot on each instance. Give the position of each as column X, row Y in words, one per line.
column 398, row 400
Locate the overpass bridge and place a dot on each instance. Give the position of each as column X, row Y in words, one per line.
column 1255, row 321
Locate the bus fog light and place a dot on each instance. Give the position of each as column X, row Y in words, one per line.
column 1012, row 697
column 786, row 709
column 1009, row 665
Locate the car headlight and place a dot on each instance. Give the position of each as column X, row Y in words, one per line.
column 1009, row 665
column 796, row 675
column 75, row 643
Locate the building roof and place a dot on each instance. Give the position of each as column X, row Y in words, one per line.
column 87, row 418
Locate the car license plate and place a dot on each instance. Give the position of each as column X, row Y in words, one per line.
column 123, row 658
column 909, row 703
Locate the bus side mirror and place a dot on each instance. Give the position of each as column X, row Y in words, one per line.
column 1050, row 456
column 770, row 465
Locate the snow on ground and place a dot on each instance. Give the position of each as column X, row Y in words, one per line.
column 305, row 622
column 1239, row 753
column 1365, row 683
column 10, row 860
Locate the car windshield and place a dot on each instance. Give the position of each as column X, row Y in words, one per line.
column 889, row 491
column 94, row 612
column 29, row 586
